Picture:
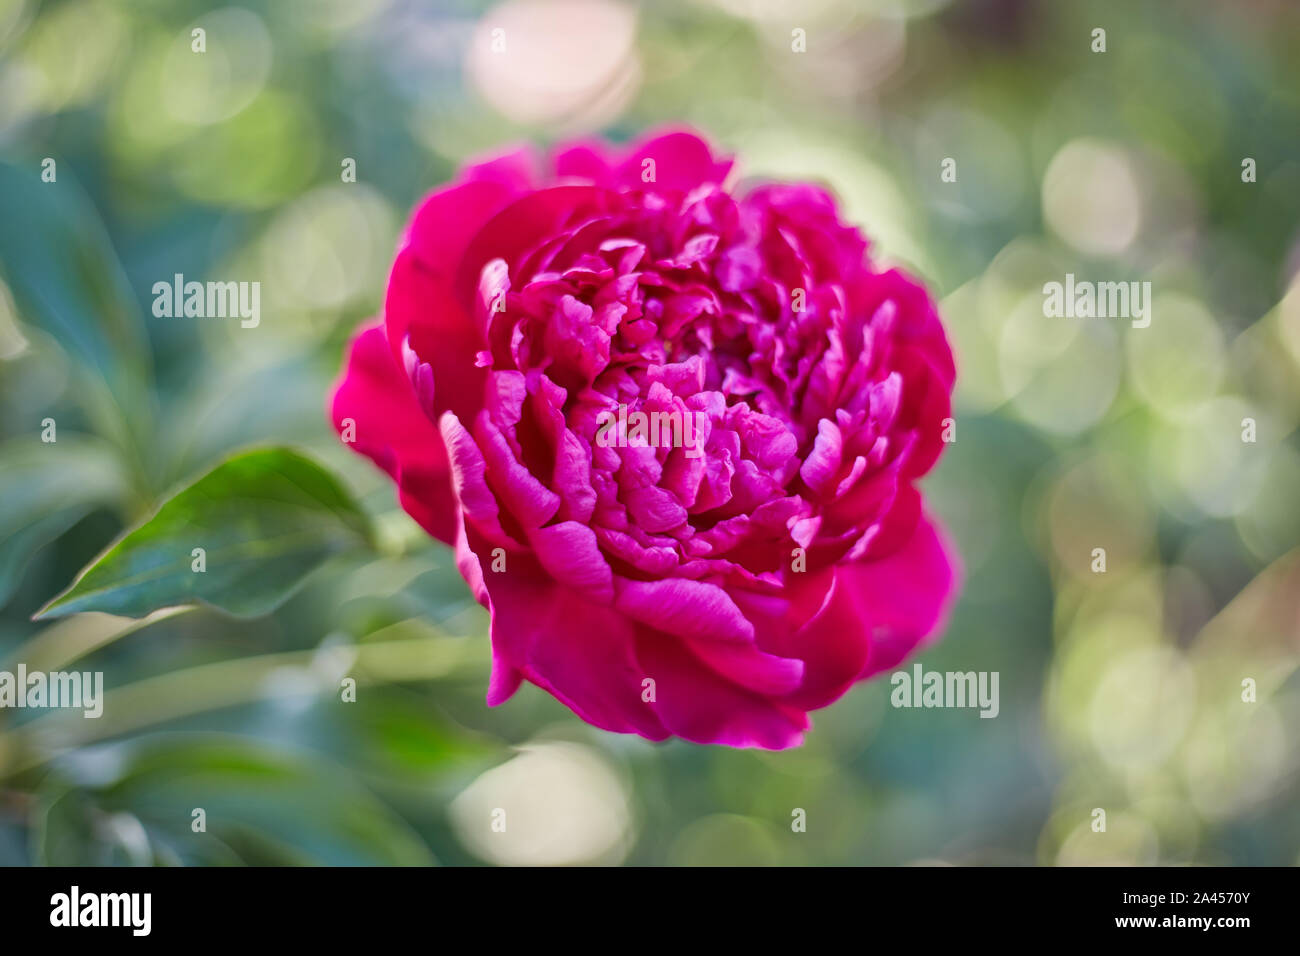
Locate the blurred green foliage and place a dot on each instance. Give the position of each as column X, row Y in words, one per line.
column 1119, row 690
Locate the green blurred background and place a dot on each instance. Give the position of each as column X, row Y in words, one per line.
column 1120, row 691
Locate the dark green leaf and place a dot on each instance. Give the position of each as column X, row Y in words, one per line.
column 265, row 519
column 261, row 805
column 65, row 276
column 46, row 489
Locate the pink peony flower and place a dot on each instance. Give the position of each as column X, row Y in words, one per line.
column 716, row 585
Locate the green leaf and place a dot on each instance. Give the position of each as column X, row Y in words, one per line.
column 262, row 805
column 265, row 519
column 46, row 489
column 58, row 260
column 65, row 276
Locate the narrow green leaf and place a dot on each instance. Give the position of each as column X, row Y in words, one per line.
column 262, row 805
column 264, row 520
column 58, row 260
column 46, row 489
column 65, row 275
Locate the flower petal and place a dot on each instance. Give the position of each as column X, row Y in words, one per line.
column 680, row 606
column 392, row 430
column 682, row 161
column 569, row 551
column 580, row 652
column 903, row 599
column 697, row 704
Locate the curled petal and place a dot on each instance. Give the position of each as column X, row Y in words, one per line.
column 389, row 427
column 690, row 608
column 570, row 553
column 696, row 703
column 534, row 636
column 903, row 600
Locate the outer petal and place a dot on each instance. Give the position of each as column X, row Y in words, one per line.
column 419, row 306
column 440, row 229
column 919, row 324
column 697, row 704
column 857, row 618
column 520, row 226
column 580, row 652
column 693, row 609
column 515, row 169
column 587, row 161
column 749, row 667
column 822, row 627
column 927, row 403
column 682, row 161
column 903, row 599
column 392, row 431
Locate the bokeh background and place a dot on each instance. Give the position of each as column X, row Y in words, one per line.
column 1119, row 691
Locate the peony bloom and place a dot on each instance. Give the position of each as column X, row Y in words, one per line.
column 713, row 582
